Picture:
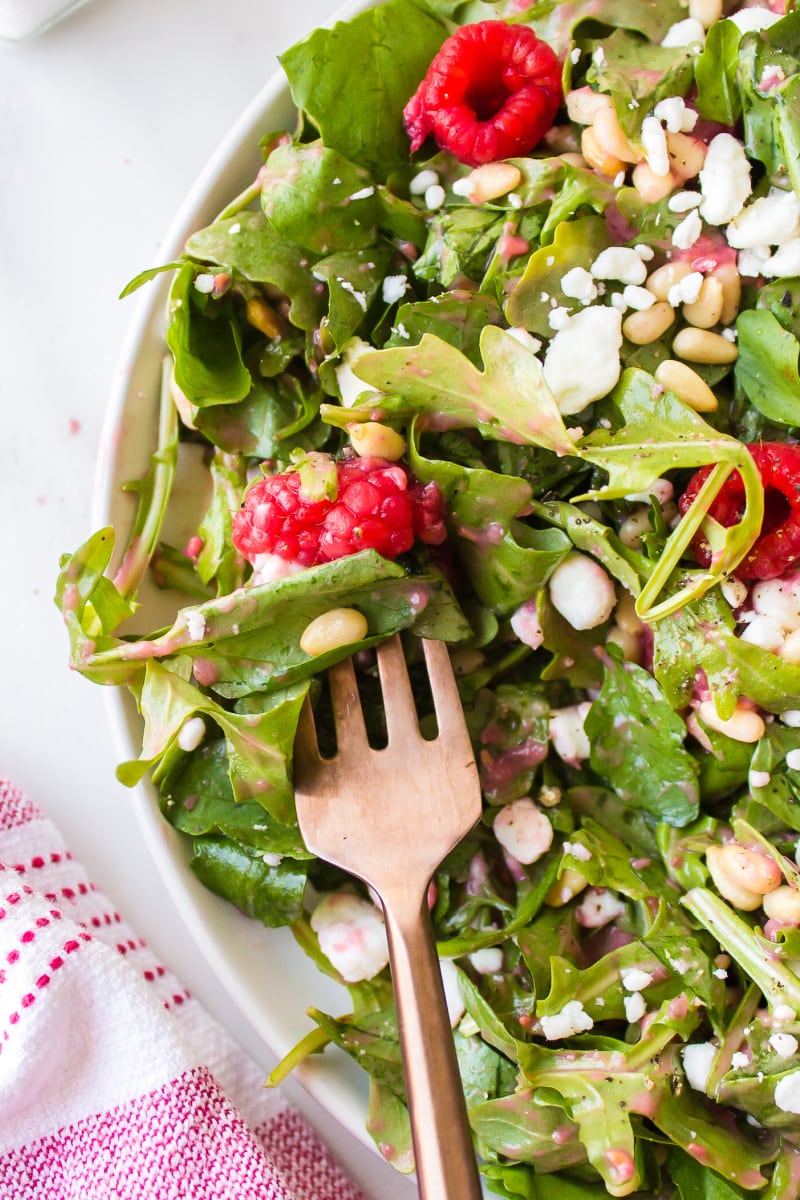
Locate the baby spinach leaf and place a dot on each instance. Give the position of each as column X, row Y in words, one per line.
column 767, row 366
column 576, row 244
column 276, row 417
column 354, row 79
column 271, row 894
column 206, row 345
column 715, row 73
column 317, row 199
column 354, row 279
column 638, row 74
column 637, row 745
column 458, row 318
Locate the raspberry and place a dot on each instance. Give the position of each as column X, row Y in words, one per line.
column 778, row 545
column 491, row 92
column 377, row 506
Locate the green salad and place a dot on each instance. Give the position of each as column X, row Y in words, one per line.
column 501, row 348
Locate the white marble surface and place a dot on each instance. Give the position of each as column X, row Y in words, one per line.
column 105, row 121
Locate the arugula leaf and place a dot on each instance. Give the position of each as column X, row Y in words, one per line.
column 91, row 606
column 358, row 112
column 522, row 1127
column 206, row 344
column 637, row 745
column 767, row 366
column 509, row 399
column 271, row 894
column 354, row 279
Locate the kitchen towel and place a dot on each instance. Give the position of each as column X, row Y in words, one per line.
column 114, row 1083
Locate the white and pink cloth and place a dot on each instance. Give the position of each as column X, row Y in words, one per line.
column 114, row 1083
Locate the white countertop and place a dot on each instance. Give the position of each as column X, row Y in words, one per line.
column 105, row 122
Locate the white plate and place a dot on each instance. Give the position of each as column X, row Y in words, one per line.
column 265, row 972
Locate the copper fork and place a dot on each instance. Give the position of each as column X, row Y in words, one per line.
column 389, row 817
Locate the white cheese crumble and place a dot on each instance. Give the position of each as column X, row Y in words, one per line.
column 784, row 1044
column 582, row 591
column 452, row 992
column 191, row 733
column 684, row 33
column 638, row 297
column 350, row 386
column 422, row 181
column 577, row 850
column 488, row 961
column 724, row 180
column 793, row 760
column 751, row 263
column 394, row 288
column 572, row 1019
column 785, row 260
column 351, row 935
column 686, row 290
column 698, row 1059
column 759, row 779
column 654, row 144
column 782, row 1012
column 524, row 338
column 787, row 1093
column 362, row 193
column 739, row 1061
column 567, row 733
column 204, row 284
column 582, row 362
column 195, row 624
column 682, row 202
column 525, row 624
column 558, row 318
column 598, row 907
column 635, row 1007
column 523, row 830
column 676, row 116
column 578, row 284
column 620, row 263
column 688, row 231
column 634, row 979
column 769, row 221
column 791, row 717
column 749, row 20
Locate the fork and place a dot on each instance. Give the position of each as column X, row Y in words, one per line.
column 389, row 817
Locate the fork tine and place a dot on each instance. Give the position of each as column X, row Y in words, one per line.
column 398, row 698
column 446, row 700
column 307, row 758
column 351, row 732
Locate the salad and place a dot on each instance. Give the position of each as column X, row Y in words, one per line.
column 501, row 348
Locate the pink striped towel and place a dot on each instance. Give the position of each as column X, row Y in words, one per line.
column 114, row 1084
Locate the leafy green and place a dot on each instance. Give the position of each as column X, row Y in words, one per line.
column 715, row 73
column 206, row 344
column 767, row 366
column 317, row 199
column 576, row 244
column 271, row 894
column 638, row 74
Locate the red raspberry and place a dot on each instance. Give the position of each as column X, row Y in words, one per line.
column 778, row 545
column 378, row 506
column 491, row 92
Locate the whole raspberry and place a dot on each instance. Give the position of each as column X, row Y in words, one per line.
column 491, row 92
column 375, row 505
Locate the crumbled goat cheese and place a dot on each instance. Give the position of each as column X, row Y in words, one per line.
column 720, row 973
column 758, row 779
column 646, row 253
column 452, row 992
column 724, row 180
column 577, row 850
column 523, row 830
column 763, row 632
column 350, row 386
column 698, row 1059
column 191, row 733
column 751, row 263
column 635, row 1007
column 779, row 600
column 739, row 1060
column 271, row 860
column 579, row 285
column 784, row 1044
column 351, row 935
column 676, row 116
column 684, row 33
column 793, row 760
column 634, row 979
column 204, row 284
column 269, row 567
column 422, row 181
column 638, row 297
column 682, row 202
column 195, row 624
column 686, row 290
column 620, row 263
column 654, row 144
column 567, row 733
column 785, row 261
column 488, row 961
column 782, row 1012
column 572, row 1019
column 394, row 288
column 525, row 624
column 582, row 362
column 791, row 717
column 749, row 20
column 524, row 338
column 362, row 193
column 598, row 907
column 434, row 196
column 688, row 231
column 582, row 591
column 787, row 1093
column 558, row 318
column 618, row 301
column 769, row 221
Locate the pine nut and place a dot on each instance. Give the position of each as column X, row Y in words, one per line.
column 705, row 11
column 609, row 136
column 686, row 156
column 729, row 277
column 707, row 308
column 686, row 384
column 582, row 104
column 652, row 187
column 572, row 159
column 702, row 346
column 332, row 629
column 597, row 158
column 490, row 181
column 726, row 882
column 561, row 139
column 745, row 725
column 632, row 528
column 783, row 905
column 661, row 281
column 629, row 643
column 648, row 324
column 569, row 884
column 263, row 318
column 626, row 615
column 737, row 866
column 370, row 439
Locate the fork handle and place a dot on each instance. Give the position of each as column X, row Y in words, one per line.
column 443, row 1150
